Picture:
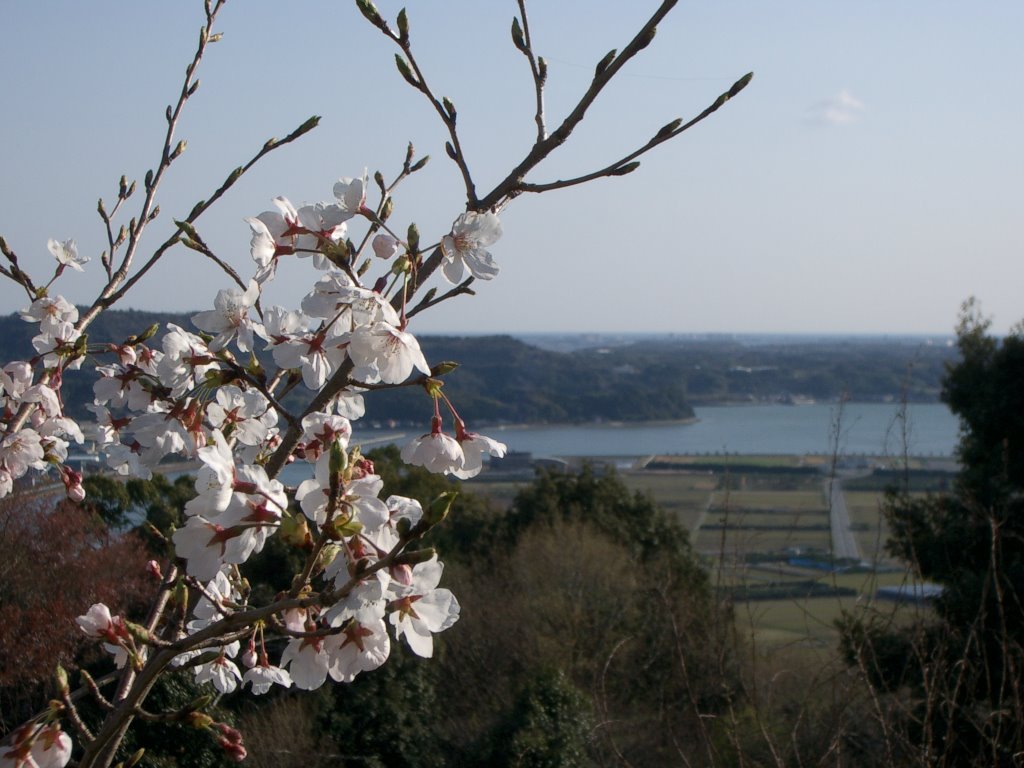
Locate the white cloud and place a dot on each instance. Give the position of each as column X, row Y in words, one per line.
column 841, row 109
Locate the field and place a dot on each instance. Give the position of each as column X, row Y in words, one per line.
column 868, row 523
column 761, row 525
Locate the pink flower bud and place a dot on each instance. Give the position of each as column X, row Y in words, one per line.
column 72, row 483
column 402, row 574
column 385, row 246
column 235, row 751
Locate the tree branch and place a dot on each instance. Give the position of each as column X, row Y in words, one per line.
column 511, row 185
column 626, row 165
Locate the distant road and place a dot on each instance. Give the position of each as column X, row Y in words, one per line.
column 844, row 543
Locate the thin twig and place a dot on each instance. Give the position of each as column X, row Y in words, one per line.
column 539, row 70
column 626, row 164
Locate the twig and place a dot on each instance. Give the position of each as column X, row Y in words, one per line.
column 538, row 68
column 627, row 164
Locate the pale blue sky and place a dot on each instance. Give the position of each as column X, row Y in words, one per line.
column 867, row 181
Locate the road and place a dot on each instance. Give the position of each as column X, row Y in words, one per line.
column 844, row 543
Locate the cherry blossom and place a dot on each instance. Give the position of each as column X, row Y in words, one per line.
column 207, row 546
column 221, row 672
column 66, row 253
column 97, row 622
column 229, row 318
column 361, row 646
column 37, row 747
column 474, row 447
column 307, row 661
column 51, row 312
column 247, row 414
column 263, row 675
column 385, row 353
column 436, row 452
column 193, row 398
column 351, row 194
column 422, row 609
column 22, row 451
column 466, row 246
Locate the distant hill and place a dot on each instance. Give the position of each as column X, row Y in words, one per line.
column 504, row 380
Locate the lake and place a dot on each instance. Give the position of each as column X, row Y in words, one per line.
column 863, row 428
column 774, row 429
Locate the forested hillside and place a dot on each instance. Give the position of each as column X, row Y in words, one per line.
column 502, row 379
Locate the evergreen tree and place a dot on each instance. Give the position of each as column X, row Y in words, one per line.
column 965, row 667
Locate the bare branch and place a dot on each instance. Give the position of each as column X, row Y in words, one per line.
column 626, row 164
column 538, row 67
column 429, row 300
column 15, row 272
column 110, row 296
column 411, row 72
column 167, row 156
column 511, row 185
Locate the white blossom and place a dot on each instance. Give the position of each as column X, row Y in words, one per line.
column 66, row 253
column 466, row 246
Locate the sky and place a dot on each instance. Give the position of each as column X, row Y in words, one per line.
column 867, row 181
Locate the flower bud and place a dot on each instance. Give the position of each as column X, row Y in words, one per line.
column 403, row 25
column 199, row 719
column 385, row 246
column 412, row 238
column 417, row 556
column 668, row 128
column 443, row 368
column 400, row 266
column 622, row 170
column 439, row 508
column 148, row 334
column 338, row 465
column 295, row 531
column 604, row 63
column 449, row 108
column 406, row 71
column 61, row 676
column 518, row 40
column 249, row 658
column 369, row 10
column 402, row 573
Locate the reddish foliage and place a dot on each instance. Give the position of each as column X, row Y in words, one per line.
column 56, row 559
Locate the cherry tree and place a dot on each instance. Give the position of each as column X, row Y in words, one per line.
column 205, row 395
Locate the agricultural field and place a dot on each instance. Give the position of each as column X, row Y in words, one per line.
column 868, row 524
column 740, row 523
column 764, row 534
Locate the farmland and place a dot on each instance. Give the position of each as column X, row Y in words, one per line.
column 761, row 526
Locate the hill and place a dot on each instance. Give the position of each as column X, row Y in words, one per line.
column 503, row 380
